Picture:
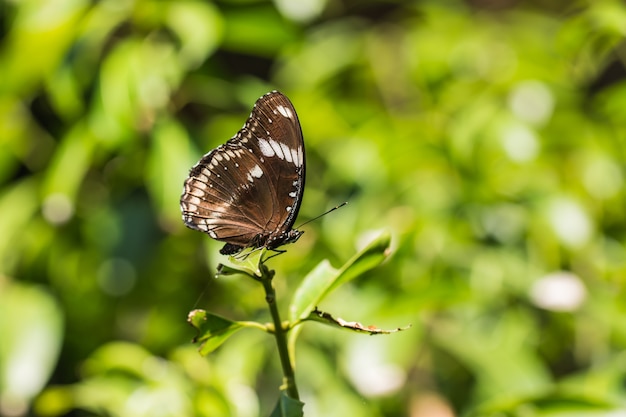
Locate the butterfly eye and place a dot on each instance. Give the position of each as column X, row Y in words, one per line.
column 248, row 191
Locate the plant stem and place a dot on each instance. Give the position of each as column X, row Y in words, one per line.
column 289, row 379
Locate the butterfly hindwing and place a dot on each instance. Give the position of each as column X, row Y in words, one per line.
column 248, row 191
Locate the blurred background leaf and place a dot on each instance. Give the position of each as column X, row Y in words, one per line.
column 488, row 136
column 31, row 324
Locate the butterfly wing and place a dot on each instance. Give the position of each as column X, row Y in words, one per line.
column 248, row 191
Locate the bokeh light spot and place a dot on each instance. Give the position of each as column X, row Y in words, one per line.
column 301, row 10
column 57, row 208
column 371, row 375
column 532, row 102
column 570, row 222
column 559, row 291
column 520, row 143
column 603, row 178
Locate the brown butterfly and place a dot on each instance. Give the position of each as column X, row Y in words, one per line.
column 248, row 191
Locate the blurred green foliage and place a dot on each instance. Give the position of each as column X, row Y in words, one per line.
column 488, row 136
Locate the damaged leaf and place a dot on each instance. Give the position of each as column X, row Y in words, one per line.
column 327, row 318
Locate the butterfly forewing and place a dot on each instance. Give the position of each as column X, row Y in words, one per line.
column 248, row 191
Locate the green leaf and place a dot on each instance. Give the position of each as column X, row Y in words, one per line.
column 213, row 330
column 242, row 34
column 45, row 45
column 199, row 28
column 31, row 324
column 70, row 163
column 168, row 163
column 247, row 262
column 287, row 407
column 18, row 205
column 324, row 278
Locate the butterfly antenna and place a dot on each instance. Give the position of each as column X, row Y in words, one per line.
column 323, row 214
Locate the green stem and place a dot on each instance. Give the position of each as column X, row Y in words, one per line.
column 289, row 379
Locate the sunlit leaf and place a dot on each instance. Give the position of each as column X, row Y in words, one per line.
column 122, row 356
column 241, row 34
column 37, row 42
column 324, row 278
column 247, row 262
column 213, row 330
column 168, row 164
column 31, row 324
column 199, row 27
column 70, row 162
column 18, row 204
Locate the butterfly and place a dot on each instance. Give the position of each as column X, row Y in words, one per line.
column 248, row 191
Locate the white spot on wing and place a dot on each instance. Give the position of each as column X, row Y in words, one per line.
column 294, row 157
column 285, row 111
column 286, row 152
column 197, row 192
column 266, row 149
column 256, row 172
column 276, row 146
column 300, row 156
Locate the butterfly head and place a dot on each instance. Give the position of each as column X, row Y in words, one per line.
column 263, row 241
column 290, row 236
